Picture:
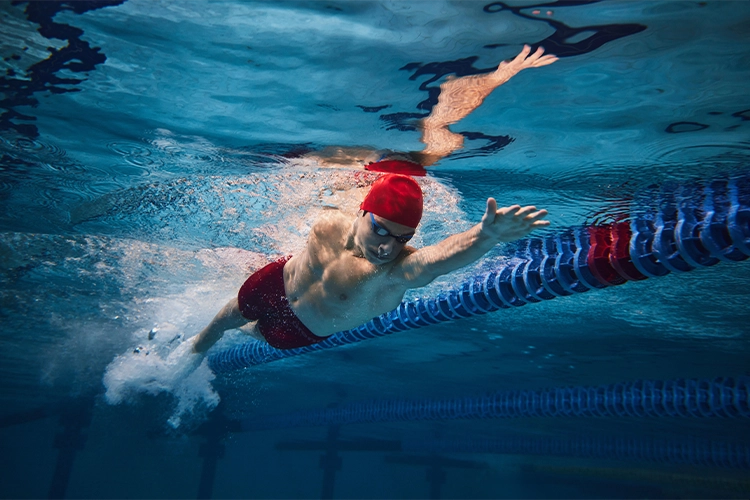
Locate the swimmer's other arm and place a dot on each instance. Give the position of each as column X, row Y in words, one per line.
column 460, row 96
column 498, row 225
column 228, row 318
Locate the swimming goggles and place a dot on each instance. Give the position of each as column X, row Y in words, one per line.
column 381, row 231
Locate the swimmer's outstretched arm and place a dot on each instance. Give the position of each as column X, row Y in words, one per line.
column 461, row 96
column 497, row 225
column 228, row 318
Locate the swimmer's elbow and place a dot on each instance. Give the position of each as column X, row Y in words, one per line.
column 420, row 281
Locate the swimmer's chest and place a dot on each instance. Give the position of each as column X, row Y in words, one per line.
column 354, row 282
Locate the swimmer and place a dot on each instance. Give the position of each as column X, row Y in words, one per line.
column 352, row 271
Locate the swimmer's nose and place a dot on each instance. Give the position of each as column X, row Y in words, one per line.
column 386, row 249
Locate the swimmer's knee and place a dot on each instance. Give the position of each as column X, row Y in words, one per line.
column 251, row 329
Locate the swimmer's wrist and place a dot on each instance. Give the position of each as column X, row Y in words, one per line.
column 484, row 236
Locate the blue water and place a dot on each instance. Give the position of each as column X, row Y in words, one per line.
column 149, row 162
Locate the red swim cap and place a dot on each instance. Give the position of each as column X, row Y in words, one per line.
column 397, row 198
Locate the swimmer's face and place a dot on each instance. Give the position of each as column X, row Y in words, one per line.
column 379, row 239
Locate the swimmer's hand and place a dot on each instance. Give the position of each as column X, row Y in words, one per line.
column 482, row 85
column 522, row 61
column 510, row 223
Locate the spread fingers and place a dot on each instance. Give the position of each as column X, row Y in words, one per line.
column 536, row 215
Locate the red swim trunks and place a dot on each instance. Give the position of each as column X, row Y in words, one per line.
column 397, row 167
column 263, row 298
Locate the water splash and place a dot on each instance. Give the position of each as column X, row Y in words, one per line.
column 155, row 368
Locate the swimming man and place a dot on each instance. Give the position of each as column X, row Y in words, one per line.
column 353, row 271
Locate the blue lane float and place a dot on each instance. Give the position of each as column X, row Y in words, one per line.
column 693, row 227
column 681, row 398
column 690, row 450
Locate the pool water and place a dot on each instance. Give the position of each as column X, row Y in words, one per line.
column 151, row 157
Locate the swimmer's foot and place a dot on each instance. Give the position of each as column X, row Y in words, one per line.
column 183, row 360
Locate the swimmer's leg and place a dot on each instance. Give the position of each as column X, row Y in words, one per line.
column 228, row 318
column 251, row 329
column 344, row 156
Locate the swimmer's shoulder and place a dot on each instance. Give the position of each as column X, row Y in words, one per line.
column 405, row 267
column 331, row 225
column 398, row 263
